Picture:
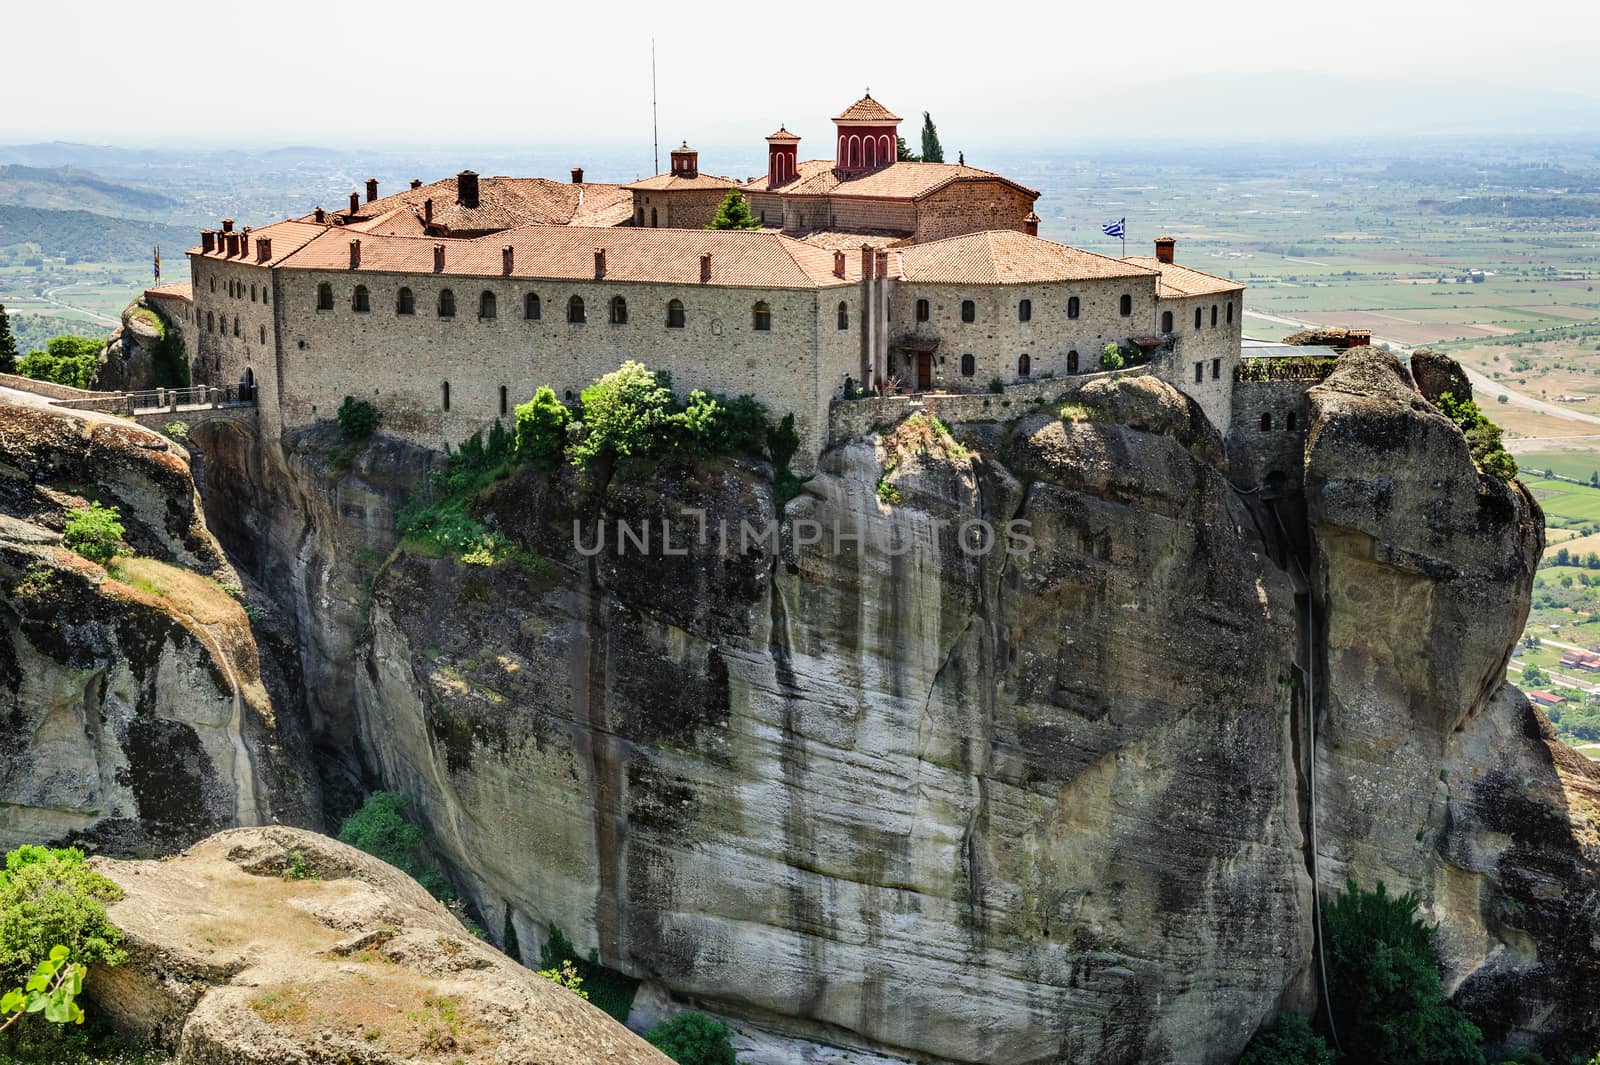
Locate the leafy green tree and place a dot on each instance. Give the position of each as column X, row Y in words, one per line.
column 1384, row 986
column 627, row 412
column 1111, row 357
column 1288, row 1040
column 357, row 418
column 542, row 428
column 51, row 899
column 713, row 424
column 1483, row 437
column 605, row 988
column 8, row 344
column 734, row 214
column 69, row 361
column 783, row 442
column 383, row 829
column 903, row 153
column 931, row 150
column 1534, row 677
column 94, row 531
column 692, row 1038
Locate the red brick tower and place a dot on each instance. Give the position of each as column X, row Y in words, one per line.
column 867, row 134
column 783, row 158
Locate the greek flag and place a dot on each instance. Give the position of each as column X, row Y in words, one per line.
column 1115, row 229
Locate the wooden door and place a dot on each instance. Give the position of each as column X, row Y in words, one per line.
column 924, row 372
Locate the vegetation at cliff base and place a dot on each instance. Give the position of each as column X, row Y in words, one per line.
column 169, row 363
column 1483, row 437
column 603, row 986
column 94, row 531
column 357, row 418
column 69, row 361
column 51, row 898
column 734, row 213
column 439, row 517
column 694, row 1039
column 1288, row 1040
column 384, row 829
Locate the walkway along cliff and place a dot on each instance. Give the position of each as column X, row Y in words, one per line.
column 885, row 792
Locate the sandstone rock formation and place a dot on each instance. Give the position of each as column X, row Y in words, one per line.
column 274, row 946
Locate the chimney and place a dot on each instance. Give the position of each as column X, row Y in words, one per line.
column 838, row 264
column 372, row 189
column 208, row 242
column 467, row 188
column 355, row 254
column 438, row 258
column 705, row 268
column 1358, row 338
column 599, row 263
column 1030, row 224
column 416, row 183
column 227, row 225
column 427, row 211
column 321, row 216
column 233, row 244
column 355, row 202
column 263, row 249
column 866, row 260
column 505, row 259
column 577, row 175
column 1165, row 246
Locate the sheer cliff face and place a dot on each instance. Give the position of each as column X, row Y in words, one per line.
column 134, row 712
column 867, row 785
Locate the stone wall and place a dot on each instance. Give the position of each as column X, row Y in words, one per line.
column 969, row 207
column 1268, row 434
column 43, row 388
column 678, row 208
column 1205, row 357
column 178, row 314
column 234, row 326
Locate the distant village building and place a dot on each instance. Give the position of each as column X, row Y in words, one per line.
column 447, row 303
column 1545, row 699
column 1584, row 660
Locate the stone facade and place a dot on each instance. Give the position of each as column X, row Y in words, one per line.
column 1205, row 356
column 971, row 207
column 688, row 208
column 235, row 328
column 1267, row 440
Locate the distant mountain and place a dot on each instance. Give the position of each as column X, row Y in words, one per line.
column 66, row 188
column 87, row 236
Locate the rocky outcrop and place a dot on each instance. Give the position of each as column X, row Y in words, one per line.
column 136, row 710
column 1437, row 373
column 357, row 963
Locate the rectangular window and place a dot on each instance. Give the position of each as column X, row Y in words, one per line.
column 1199, row 372
column 1216, row 369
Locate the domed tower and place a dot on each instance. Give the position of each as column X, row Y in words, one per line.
column 783, row 158
column 867, row 133
column 685, row 161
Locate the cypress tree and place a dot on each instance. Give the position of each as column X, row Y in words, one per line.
column 734, row 214
column 8, row 344
column 903, row 153
column 931, row 151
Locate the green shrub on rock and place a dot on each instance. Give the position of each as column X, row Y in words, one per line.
column 694, row 1039
column 626, row 412
column 1288, row 1040
column 94, row 531
column 383, row 829
column 357, row 418
column 51, row 898
column 1483, row 437
column 542, row 428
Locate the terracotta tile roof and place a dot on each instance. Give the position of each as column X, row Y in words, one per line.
column 755, row 258
column 503, row 203
column 1005, row 257
column 402, row 221
column 897, row 181
column 849, row 240
column 670, row 182
column 287, row 238
column 866, row 109
column 1177, row 282
column 176, row 290
column 782, row 135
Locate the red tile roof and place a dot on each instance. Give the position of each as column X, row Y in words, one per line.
column 176, row 290
column 866, row 109
column 750, row 259
column 1005, row 257
column 897, row 181
column 670, row 182
column 287, row 237
column 503, row 203
column 1176, row 282
column 782, row 135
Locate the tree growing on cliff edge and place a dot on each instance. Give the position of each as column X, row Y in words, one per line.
column 734, row 214
column 932, row 151
column 8, row 344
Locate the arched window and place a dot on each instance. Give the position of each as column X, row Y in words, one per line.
column 1072, row 362
column 619, row 311
column 761, row 317
column 575, row 310
column 1074, row 307
column 969, row 311
column 1230, row 312
column 405, row 302
column 236, row 325
column 530, row 306
column 1024, row 365
column 252, row 293
column 264, row 296
column 1166, row 321
column 1213, row 316
column 652, row 218
column 640, row 222
column 1126, row 306
column 969, row 366
column 444, row 394
column 1025, row 311
column 674, row 314
column 447, row 303
column 213, row 283
column 360, row 300
column 1288, row 422
column 844, row 315
column 922, row 310
column 211, row 323
column 1266, row 423
column 263, row 334
column 503, row 400
column 1197, row 317
column 324, row 297
column 488, row 307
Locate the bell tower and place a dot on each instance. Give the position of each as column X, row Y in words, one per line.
column 685, row 161
column 783, row 158
column 867, row 136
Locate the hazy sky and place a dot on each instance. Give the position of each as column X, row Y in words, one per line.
column 330, row 72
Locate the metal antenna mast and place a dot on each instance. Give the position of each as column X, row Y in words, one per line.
column 655, row 126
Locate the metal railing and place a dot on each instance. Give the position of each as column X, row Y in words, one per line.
column 155, row 399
